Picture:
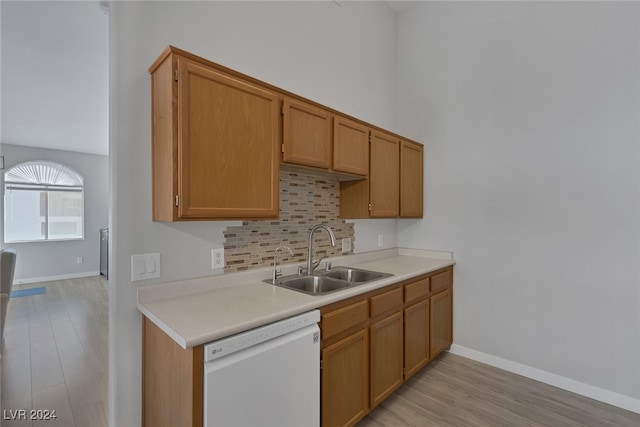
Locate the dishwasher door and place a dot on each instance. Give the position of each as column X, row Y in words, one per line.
column 274, row 383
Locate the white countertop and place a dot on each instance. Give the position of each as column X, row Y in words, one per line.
column 197, row 311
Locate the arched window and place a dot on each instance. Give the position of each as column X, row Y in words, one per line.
column 43, row 201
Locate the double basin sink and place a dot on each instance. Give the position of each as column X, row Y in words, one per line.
column 324, row 282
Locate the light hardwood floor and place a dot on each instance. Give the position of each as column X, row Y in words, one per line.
column 456, row 391
column 56, row 354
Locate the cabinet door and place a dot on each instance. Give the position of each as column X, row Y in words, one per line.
column 416, row 337
column 441, row 322
column 227, row 147
column 306, row 134
column 350, row 146
column 411, row 180
column 386, row 357
column 345, row 380
column 384, row 176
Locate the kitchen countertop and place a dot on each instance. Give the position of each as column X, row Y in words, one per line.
column 197, row 311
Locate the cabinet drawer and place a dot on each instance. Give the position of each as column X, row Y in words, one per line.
column 416, row 290
column 442, row 280
column 344, row 318
column 385, row 302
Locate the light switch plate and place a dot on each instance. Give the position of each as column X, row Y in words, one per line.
column 145, row 266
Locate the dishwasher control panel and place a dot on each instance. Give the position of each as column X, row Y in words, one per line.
column 243, row 340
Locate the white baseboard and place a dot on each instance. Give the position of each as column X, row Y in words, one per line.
column 606, row 396
column 58, row 277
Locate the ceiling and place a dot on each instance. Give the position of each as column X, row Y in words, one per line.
column 55, row 75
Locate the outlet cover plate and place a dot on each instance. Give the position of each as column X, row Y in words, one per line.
column 217, row 258
column 346, row 245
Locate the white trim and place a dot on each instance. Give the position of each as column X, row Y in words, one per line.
column 606, row 396
column 58, row 277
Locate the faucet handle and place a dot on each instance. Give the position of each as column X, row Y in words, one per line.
column 327, row 266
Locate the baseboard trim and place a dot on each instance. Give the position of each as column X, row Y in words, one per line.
column 602, row 395
column 58, row 277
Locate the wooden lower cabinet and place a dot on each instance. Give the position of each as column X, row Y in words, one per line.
column 345, row 380
column 371, row 344
column 416, row 337
column 365, row 357
column 172, row 380
column 441, row 322
column 386, row 357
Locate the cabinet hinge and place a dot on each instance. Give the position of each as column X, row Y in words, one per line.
column 175, row 74
column 282, row 148
column 282, row 110
column 321, row 364
column 369, row 137
column 177, row 200
column 369, row 207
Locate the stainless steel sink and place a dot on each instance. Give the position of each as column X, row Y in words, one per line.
column 322, row 283
column 354, row 275
column 315, row 284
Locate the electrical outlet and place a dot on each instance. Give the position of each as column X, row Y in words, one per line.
column 380, row 240
column 80, row 260
column 217, row 258
column 346, row 245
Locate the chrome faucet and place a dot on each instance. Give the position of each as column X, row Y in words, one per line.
column 310, row 264
column 276, row 273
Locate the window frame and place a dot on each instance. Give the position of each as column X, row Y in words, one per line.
column 67, row 180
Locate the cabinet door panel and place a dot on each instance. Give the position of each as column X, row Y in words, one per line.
column 345, row 380
column 306, row 134
column 416, row 337
column 386, row 357
column 441, row 322
column 442, row 280
column 384, row 176
column 344, row 318
column 227, row 127
column 411, row 180
column 350, row 146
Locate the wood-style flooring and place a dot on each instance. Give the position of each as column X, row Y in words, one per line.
column 456, row 391
column 55, row 354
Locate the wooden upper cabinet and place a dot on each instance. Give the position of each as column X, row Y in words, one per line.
column 219, row 138
column 209, row 128
column 384, row 176
column 411, row 179
column 394, row 186
column 350, row 146
column 306, row 134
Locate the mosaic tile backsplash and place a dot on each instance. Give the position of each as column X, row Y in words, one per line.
column 305, row 200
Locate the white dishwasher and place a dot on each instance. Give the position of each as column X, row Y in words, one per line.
column 265, row 377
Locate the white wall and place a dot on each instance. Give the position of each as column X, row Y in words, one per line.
column 343, row 57
column 529, row 112
column 38, row 261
